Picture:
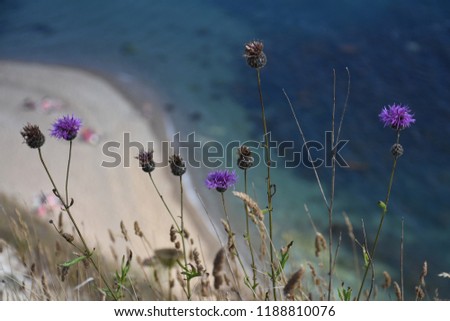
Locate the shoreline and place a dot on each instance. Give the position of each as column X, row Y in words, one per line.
column 196, row 221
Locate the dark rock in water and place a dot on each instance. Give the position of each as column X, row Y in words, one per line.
column 202, row 32
column 169, row 107
column 127, row 49
column 195, row 116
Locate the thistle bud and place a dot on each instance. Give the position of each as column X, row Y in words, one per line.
column 33, row 136
column 146, row 161
column 177, row 165
column 397, row 150
column 254, row 54
column 245, row 158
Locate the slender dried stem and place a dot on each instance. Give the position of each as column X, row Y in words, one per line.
column 383, row 215
column 401, row 258
column 67, row 172
column 269, row 184
column 333, row 181
column 183, row 242
column 66, row 206
column 164, row 202
column 247, row 236
column 236, row 252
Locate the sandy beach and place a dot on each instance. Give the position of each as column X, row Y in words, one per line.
column 103, row 196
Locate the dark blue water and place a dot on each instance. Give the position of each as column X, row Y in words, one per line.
column 191, row 54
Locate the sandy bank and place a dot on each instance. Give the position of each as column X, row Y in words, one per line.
column 103, row 196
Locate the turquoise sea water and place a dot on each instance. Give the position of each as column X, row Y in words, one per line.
column 187, row 56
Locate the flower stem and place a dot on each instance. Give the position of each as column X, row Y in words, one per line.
column 383, row 214
column 269, row 185
column 88, row 252
column 67, row 172
column 333, row 183
column 188, row 281
column 250, row 246
column 164, row 202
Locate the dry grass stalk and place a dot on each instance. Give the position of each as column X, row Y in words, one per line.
column 423, row 274
column 124, row 231
column 205, row 286
column 420, row 294
column 293, row 283
column 198, row 263
column 387, row 280
column 442, row 275
column 137, row 229
column 257, row 217
column 173, row 234
column 45, row 288
column 180, row 280
column 111, row 236
column 314, row 276
column 251, row 204
column 114, row 254
column 230, row 243
column 3, row 245
column 218, row 268
column 398, row 292
column 320, row 243
column 60, row 221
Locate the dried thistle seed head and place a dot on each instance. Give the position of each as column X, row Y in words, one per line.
column 146, row 161
column 254, row 54
column 33, row 136
column 177, row 165
column 245, row 158
column 397, row 150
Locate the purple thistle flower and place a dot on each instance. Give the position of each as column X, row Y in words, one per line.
column 66, row 127
column 221, row 180
column 397, row 116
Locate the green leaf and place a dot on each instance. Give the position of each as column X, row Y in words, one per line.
column 74, row 261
